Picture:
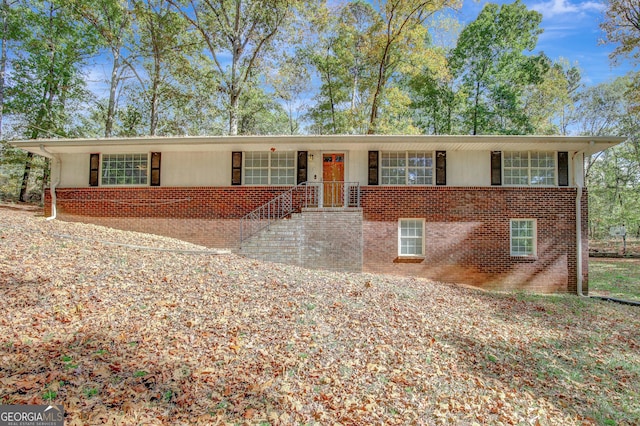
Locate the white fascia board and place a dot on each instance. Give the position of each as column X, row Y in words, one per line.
column 589, row 145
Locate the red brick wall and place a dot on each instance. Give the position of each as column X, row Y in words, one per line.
column 467, row 229
column 207, row 216
column 467, row 235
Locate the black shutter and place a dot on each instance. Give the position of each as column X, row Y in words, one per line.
column 155, row 169
column 236, row 168
column 94, row 169
column 563, row 169
column 302, row 167
column 496, row 167
column 373, row 167
column 441, row 167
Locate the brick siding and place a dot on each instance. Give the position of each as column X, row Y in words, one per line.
column 466, row 229
column 467, row 235
column 207, row 216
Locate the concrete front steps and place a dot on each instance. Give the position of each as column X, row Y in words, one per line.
column 327, row 238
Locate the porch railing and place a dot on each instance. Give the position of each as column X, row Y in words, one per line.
column 304, row 195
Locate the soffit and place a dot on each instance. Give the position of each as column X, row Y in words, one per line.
column 589, row 145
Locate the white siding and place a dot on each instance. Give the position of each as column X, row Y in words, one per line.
column 468, row 168
column 195, row 169
column 75, row 171
column 314, row 167
column 358, row 167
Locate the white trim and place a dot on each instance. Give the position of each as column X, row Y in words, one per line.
column 534, row 237
column 422, row 237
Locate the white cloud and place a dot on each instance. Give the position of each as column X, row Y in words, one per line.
column 558, row 8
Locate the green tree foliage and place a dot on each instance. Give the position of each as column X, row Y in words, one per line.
column 613, row 176
column 622, row 27
column 165, row 50
column 550, row 104
column 111, row 20
column 399, row 44
column 46, row 84
column 290, row 82
column 342, row 58
column 243, row 30
column 362, row 56
column 490, row 62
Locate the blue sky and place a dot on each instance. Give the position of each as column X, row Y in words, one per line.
column 571, row 31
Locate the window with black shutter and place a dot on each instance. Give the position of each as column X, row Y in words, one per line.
column 236, row 168
column 94, row 169
column 155, row 169
column 373, row 167
column 302, row 167
column 496, row 167
column 441, row 167
column 563, row 169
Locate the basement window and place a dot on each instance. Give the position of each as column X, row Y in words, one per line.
column 523, row 237
column 411, row 237
column 125, row 169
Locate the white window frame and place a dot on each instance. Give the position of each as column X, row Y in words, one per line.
column 407, row 168
column 529, row 168
column 533, row 238
column 421, row 237
column 270, row 168
column 104, row 157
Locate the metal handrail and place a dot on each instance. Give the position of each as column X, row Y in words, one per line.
column 304, row 195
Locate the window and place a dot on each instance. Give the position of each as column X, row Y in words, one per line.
column 411, row 237
column 125, row 169
column 529, row 168
column 269, row 168
column 406, row 168
column 523, row 237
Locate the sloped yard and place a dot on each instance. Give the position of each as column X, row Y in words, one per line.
column 127, row 335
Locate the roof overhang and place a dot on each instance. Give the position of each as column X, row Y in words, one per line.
column 586, row 144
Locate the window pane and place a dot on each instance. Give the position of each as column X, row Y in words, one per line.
column 125, row 169
column 522, row 237
column 282, row 168
column 543, row 168
column 411, row 237
column 406, row 168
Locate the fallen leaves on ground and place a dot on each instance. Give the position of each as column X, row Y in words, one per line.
column 124, row 335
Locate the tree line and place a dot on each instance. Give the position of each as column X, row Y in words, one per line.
column 122, row 68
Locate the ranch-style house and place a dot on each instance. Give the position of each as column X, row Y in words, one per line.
column 505, row 212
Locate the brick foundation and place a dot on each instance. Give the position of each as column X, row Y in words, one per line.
column 467, row 235
column 466, row 229
column 206, row 216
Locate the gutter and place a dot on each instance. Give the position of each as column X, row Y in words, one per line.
column 54, row 184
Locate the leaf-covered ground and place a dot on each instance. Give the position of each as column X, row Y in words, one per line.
column 128, row 335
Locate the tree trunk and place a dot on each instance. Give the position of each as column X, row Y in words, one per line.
column 25, row 177
column 382, row 77
column 155, row 100
column 3, row 59
column 475, row 109
column 233, row 114
column 111, row 109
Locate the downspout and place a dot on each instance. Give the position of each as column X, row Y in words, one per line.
column 54, row 184
column 579, row 185
column 579, row 238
